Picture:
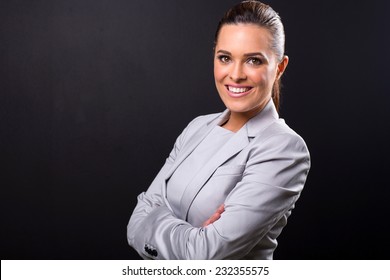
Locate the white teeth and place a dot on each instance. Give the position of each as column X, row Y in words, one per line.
column 238, row 90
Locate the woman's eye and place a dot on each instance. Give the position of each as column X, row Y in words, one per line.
column 255, row 61
column 224, row 58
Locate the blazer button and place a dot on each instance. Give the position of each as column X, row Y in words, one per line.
column 149, row 249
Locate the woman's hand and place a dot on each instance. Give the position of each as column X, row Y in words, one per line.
column 215, row 216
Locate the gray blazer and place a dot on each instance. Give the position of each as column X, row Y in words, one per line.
column 258, row 174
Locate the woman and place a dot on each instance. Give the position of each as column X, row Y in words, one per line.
column 232, row 179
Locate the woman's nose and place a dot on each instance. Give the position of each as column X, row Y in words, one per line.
column 237, row 73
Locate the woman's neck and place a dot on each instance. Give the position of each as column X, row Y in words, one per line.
column 239, row 119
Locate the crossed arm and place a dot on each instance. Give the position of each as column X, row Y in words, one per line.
column 271, row 183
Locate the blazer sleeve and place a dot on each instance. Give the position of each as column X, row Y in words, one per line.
column 274, row 176
column 152, row 198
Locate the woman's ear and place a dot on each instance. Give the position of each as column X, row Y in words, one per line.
column 282, row 67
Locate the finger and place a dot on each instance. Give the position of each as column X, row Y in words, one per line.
column 214, row 217
column 206, row 223
column 221, row 208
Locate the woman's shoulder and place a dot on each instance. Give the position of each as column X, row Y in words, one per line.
column 198, row 124
column 281, row 127
column 280, row 134
column 207, row 117
column 203, row 119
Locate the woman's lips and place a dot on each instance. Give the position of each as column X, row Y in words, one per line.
column 238, row 91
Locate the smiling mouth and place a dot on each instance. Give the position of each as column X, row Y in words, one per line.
column 238, row 89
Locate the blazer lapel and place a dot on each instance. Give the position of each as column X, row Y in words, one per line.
column 196, row 139
column 188, row 147
column 235, row 145
column 231, row 148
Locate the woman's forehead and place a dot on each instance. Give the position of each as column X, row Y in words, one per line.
column 245, row 38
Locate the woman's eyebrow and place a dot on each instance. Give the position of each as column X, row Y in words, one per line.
column 246, row 54
column 224, row 52
column 255, row 54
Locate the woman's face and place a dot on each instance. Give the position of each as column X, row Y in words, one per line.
column 245, row 67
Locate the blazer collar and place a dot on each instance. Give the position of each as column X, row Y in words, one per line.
column 262, row 120
column 256, row 124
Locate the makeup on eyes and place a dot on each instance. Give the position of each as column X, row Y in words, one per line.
column 257, row 57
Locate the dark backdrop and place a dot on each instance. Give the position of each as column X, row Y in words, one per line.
column 93, row 94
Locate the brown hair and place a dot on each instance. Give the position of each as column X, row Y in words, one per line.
column 255, row 12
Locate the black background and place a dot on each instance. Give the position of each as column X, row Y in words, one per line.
column 93, row 94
